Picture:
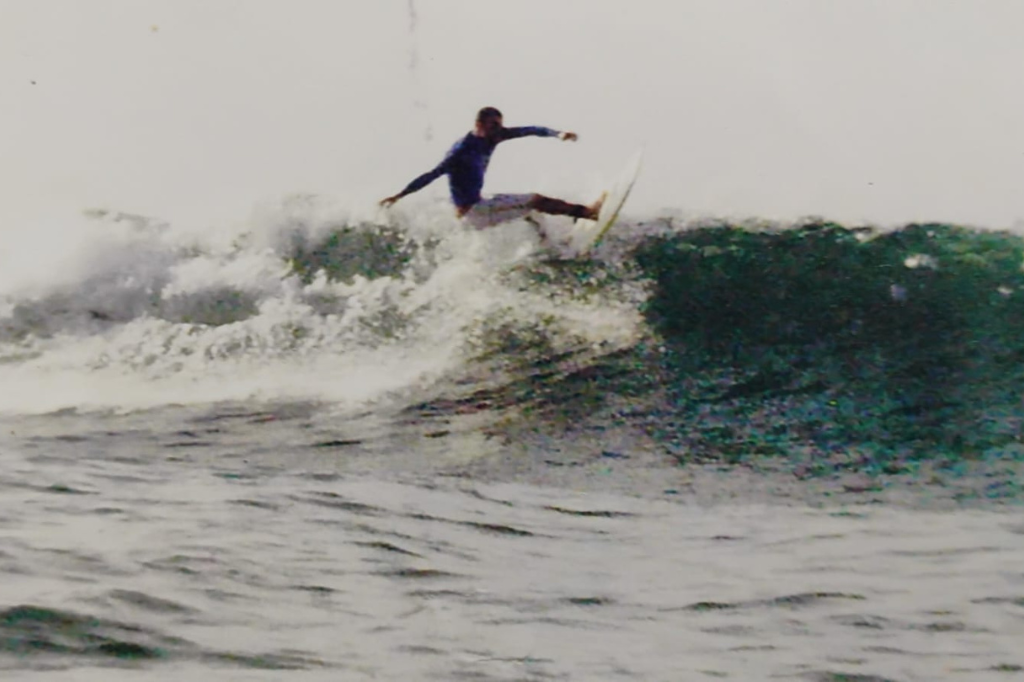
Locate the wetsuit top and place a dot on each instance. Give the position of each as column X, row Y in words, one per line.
column 466, row 162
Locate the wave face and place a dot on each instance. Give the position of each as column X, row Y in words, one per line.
column 721, row 340
column 899, row 342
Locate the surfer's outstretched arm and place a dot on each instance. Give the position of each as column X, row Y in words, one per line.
column 538, row 131
column 419, row 183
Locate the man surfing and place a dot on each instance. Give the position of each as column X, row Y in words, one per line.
column 466, row 163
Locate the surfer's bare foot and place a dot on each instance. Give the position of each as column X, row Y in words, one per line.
column 595, row 208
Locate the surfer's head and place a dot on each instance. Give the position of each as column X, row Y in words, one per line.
column 488, row 122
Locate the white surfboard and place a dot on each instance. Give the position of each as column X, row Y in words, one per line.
column 587, row 234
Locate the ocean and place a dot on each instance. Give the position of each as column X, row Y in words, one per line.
column 321, row 445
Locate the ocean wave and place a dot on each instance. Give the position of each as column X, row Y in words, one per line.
column 757, row 338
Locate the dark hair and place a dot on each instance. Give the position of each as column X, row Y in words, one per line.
column 487, row 113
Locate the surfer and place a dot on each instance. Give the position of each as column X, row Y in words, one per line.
column 466, row 163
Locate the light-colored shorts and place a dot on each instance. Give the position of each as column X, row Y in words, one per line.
column 500, row 208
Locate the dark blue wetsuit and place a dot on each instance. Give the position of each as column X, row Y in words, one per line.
column 466, row 162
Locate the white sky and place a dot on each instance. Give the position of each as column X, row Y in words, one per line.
column 878, row 110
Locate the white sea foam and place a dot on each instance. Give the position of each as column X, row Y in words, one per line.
column 125, row 312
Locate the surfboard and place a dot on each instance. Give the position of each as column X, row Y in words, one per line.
column 587, row 234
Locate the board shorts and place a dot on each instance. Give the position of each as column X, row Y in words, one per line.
column 500, row 208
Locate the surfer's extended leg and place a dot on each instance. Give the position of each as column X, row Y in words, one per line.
column 539, row 202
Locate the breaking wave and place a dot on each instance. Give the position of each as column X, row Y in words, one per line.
column 723, row 339
column 305, row 301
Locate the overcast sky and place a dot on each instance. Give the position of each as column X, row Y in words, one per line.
column 878, row 110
